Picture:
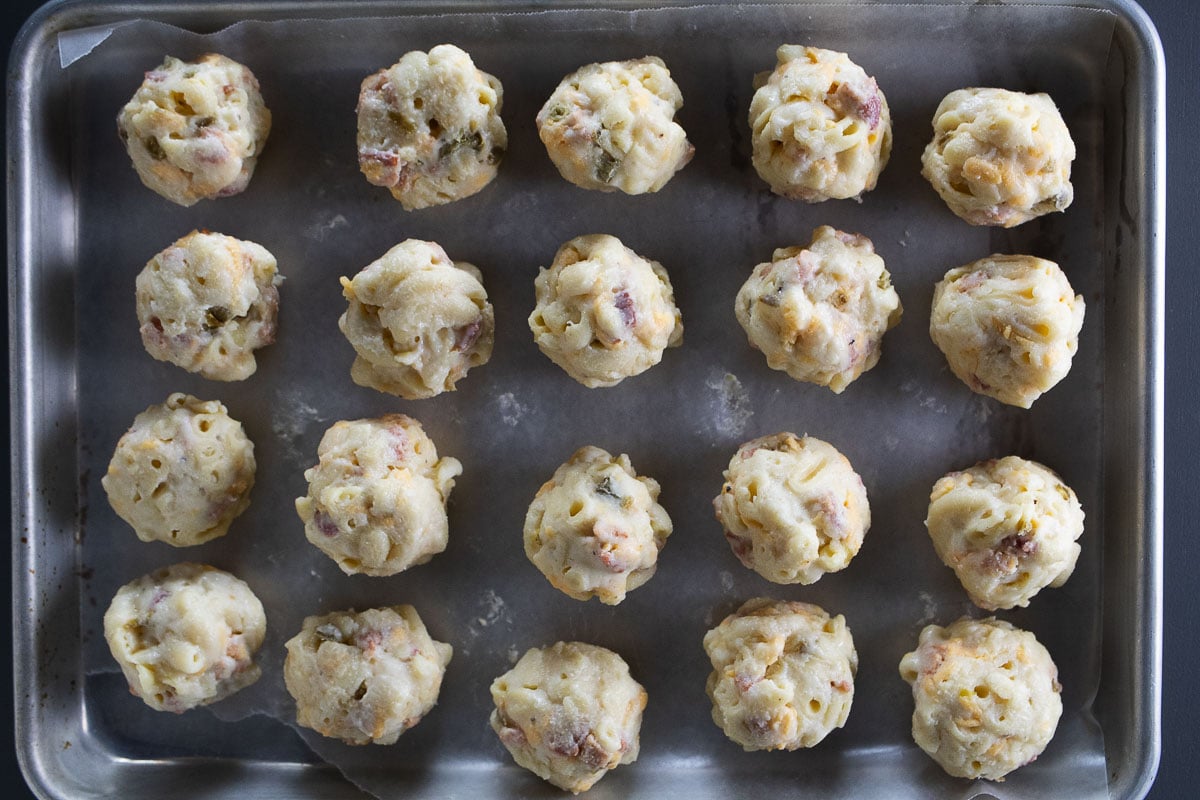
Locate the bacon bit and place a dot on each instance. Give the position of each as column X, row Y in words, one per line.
column 383, row 167
column 833, row 512
column 160, row 594
column 388, row 158
column 156, row 76
column 848, row 100
column 853, row 240
column 326, row 525
column 215, row 152
column 465, row 336
column 971, row 281
column 1018, row 543
column 236, row 649
column 379, row 80
column 741, row 547
column 624, row 304
column 744, row 682
column 592, row 753
column 400, row 443
column 758, row 726
column 368, row 640
column 932, row 659
column 608, row 541
column 513, row 736
column 841, row 686
column 806, row 266
column 228, row 89
column 565, row 737
column 978, row 385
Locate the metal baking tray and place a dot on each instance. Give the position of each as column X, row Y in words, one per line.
column 81, row 227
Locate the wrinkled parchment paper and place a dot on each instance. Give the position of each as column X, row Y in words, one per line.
column 902, row 425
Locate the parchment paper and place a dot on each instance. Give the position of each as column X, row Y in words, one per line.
column 513, row 421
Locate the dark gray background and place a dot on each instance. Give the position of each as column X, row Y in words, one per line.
column 1178, row 22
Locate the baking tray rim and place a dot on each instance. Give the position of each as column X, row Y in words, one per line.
column 1138, row 768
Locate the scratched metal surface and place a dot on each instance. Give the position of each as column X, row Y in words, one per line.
column 902, row 425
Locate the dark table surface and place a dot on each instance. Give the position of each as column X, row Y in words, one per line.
column 1178, row 23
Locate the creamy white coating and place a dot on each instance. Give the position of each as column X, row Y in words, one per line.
column 376, row 501
column 612, row 126
column 195, row 129
column 595, row 528
column 418, row 321
column 819, row 312
column 182, row 472
column 820, row 126
column 429, row 127
column 569, row 713
column 1008, row 326
column 1000, row 157
column 986, row 697
column 1008, row 529
column 207, row 302
column 185, row 636
column 603, row 312
column 783, row 674
column 364, row 677
column 793, row 508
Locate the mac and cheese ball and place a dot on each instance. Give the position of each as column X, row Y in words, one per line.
column 783, row 674
column 793, row 508
column 603, row 312
column 417, row 321
column 986, row 697
column 1008, row 529
column 595, row 528
column 376, row 501
column 429, row 127
column 182, row 472
column 1008, row 326
column 612, row 126
column 207, row 302
column 819, row 312
column 820, row 126
column 195, row 129
column 185, row 636
column 1000, row 157
column 569, row 713
column 365, row 677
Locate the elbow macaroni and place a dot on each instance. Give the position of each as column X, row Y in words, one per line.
column 569, row 713
column 1007, row 528
column 376, row 501
column 182, row 472
column 595, row 528
column 429, row 128
column 207, row 302
column 999, row 157
column 820, row 126
column 364, row 677
column 1008, row 326
column 986, row 697
column 612, row 126
column 603, row 312
column 819, row 312
column 185, row 636
column 194, row 130
column 418, row 321
column 793, row 508
column 783, row 674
